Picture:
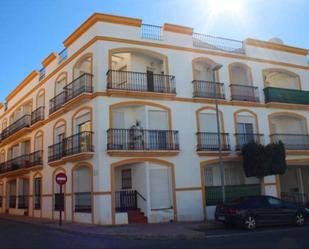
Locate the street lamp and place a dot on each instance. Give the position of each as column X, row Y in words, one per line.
column 215, row 68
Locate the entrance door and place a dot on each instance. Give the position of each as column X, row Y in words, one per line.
column 150, row 81
column 160, row 191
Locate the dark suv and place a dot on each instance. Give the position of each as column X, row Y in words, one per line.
column 253, row 211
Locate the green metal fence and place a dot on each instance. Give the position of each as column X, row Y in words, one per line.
column 282, row 95
column 214, row 194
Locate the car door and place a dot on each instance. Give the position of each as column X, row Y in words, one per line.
column 279, row 211
column 263, row 212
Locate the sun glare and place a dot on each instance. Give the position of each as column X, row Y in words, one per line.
column 221, row 7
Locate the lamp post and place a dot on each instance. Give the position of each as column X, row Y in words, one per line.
column 214, row 69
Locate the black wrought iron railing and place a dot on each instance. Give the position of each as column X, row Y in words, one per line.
column 140, row 139
column 244, row 138
column 151, row 32
column 37, row 115
column 218, row 43
column 208, row 89
column 209, row 141
column 23, row 201
column 244, row 93
column 23, row 122
column 126, row 200
column 22, row 162
column 83, row 84
column 78, row 143
column 12, row 201
column 140, row 82
column 301, row 199
column 82, row 202
column 292, row 141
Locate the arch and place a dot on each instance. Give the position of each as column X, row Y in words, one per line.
column 197, row 116
column 90, row 167
column 203, row 166
column 37, row 174
column 80, row 61
column 61, row 120
column 208, row 61
column 280, row 70
column 141, row 50
column 61, row 76
column 40, row 92
column 38, row 133
column 141, row 160
column 89, row 108
column 59, row 169
column 128, row 103
column 291, row 114
column 244, row 67
column 18, row 142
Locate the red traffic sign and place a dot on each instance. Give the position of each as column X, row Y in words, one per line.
column 61, row 178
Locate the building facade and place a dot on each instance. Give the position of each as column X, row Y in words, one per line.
column 127, row 111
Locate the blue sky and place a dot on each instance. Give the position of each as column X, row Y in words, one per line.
column 30, row 30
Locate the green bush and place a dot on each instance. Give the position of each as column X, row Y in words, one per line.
column 260, row 160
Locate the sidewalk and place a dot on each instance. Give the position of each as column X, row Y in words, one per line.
column 163, row 231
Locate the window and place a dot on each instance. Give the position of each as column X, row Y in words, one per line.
column 209, row 177
column 274, row 202
column 245, row 128
column 37, row 193
column 126, row 179
column 234, row 176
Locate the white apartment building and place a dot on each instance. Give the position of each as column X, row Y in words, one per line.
column 127, row 111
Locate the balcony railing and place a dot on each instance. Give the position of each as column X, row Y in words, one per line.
column 208, row 89
column 23, row 122
column 139, row 139
column 292, row 141
column 214, row 193
column 37, row 115
column 151, row 32
column 22, row 162
column 140, row 82
column 244, row 93
column 282, row 95
column 208, row 141
column 76, row 144
column 218, row 43
column 82, row 84
column 244, row 138
column 82, row 202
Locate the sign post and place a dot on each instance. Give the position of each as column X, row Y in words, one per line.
column 61, row 179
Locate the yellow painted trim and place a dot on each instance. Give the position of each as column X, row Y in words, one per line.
column 97, row 17
column 142, row 153
column 275, row 46
column 49, row 59
column 177, row 29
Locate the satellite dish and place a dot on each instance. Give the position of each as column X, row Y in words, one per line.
column 276, row 40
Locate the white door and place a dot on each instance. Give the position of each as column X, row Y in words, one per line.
column 160, row 191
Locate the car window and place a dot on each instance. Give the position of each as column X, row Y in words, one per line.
column 275, row 202
column 256, row 203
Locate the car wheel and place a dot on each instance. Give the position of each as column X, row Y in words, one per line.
column 299, row 219
column 249, row 222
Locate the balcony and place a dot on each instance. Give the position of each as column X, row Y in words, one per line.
column 244, row 93
column 208, row 141
column 208, row 89
column 140, row 82
column 22, row 162
column 218, row 43
column 142, row 141
column 151, row 32
column 77, row 147
column 292, row 141
column 79, row 86
column 23, row 122
column 283, row 95
column 37, row 115
column 244, row 138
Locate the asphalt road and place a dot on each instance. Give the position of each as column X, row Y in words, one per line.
column 21, row 235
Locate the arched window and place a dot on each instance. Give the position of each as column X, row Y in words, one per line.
column 281, row 78
column 60, row 83
column 82, row 120
column 240, row 74
column 38, row 141
column 83, row 66
column 40, row 99
column 59, row 131
column 82, row 188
